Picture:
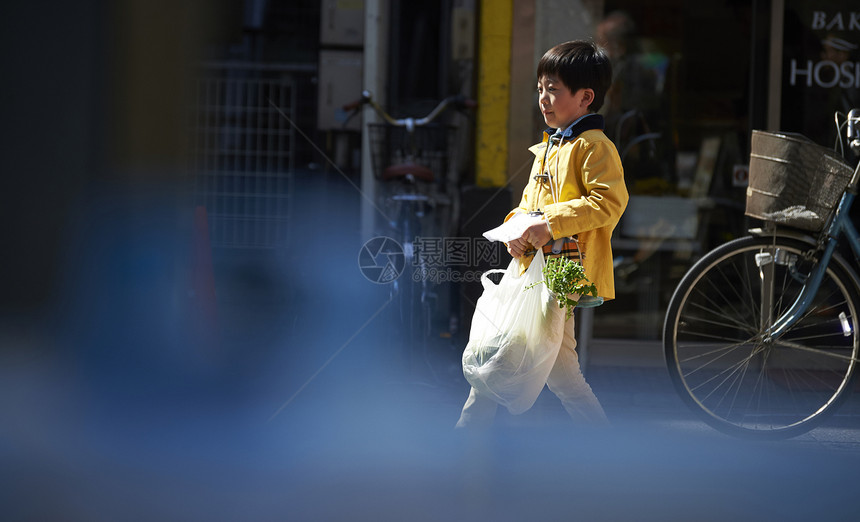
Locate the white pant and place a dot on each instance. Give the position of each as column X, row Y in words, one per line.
column 565, row 381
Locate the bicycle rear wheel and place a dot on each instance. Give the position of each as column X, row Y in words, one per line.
column 717, row 358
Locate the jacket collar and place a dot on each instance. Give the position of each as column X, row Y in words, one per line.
column 590, row 121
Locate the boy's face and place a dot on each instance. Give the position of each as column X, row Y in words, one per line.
column 559, row 106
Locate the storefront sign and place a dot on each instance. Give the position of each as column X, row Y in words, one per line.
column 830, row 73
column 826, row 73
column 821, row 66
column 838, row 21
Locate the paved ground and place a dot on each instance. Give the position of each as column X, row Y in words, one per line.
column 631, row 381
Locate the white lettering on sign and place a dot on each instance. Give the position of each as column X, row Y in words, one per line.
column 826, row 74
column 833, row 65
column 837, row 21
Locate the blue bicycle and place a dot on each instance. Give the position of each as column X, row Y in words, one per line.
column 761, row 335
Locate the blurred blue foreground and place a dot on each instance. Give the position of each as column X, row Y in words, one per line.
column 135, row 400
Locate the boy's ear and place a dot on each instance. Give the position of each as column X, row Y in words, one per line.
column 587, row 97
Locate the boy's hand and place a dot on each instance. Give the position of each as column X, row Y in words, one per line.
column 534, row 236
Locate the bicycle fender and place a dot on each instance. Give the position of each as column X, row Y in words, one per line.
column 784, row 232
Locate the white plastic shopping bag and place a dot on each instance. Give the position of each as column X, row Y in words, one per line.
column 515, row 336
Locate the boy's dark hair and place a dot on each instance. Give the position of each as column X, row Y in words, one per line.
column 579, row 65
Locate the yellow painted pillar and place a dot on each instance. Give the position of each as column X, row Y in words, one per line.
column 494, row 81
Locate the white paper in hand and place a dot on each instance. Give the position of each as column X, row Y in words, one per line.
column 512, row 228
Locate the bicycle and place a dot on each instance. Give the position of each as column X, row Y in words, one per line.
column 411, row 157
column 761, row 334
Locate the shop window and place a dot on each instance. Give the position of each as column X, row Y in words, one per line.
column 678, row 113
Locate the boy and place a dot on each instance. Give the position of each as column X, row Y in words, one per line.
column 577, row 183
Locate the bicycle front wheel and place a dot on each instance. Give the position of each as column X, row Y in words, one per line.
column 723, row 366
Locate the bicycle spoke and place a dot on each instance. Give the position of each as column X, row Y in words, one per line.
column 759, row 383
column 747, row 277
column 797, row 338
column 733, row 385
column 797, row 346
column 736, row 371
column 723, row 349
column 812, row 378
column 717, row 290
column 733, row 321
column 814, row 309
column 732, row 367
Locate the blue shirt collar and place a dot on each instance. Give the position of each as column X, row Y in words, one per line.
column 590, row 121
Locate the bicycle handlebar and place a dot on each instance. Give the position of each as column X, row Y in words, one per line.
column 459, row 102
column 854, row 130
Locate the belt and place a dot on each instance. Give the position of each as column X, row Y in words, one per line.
column 568, row 248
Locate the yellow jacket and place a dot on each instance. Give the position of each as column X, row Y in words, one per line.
column 591, row 198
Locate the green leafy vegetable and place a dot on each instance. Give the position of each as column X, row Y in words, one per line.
column 563, row 277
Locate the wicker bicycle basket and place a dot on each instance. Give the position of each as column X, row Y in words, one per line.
column 794, row 181
column 429, row 146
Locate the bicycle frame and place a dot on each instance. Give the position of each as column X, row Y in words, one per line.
column 840, row 225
